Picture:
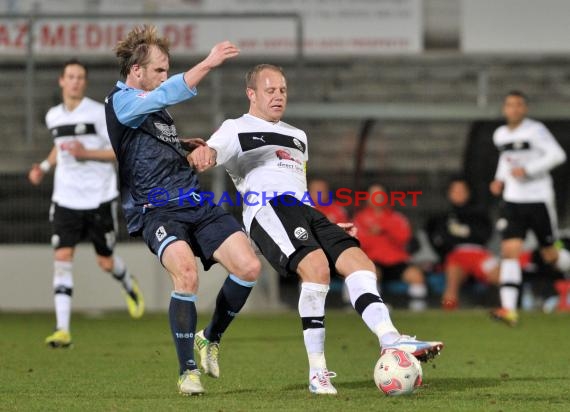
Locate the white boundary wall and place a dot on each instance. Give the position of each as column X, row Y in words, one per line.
column 26, row 274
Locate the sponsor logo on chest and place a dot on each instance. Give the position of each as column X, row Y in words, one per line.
column 166, row 133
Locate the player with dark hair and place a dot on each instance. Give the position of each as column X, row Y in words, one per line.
column 152, row 157
column 292, row 235
column 84, row 195
column 528, row 152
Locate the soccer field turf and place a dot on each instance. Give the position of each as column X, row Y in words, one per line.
column 118, row 364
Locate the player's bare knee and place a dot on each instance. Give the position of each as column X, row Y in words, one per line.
column 105, row 263
column 367, row 264
column 414, row 276
column 250, row 271
column 511, row 248
column 417, row 277
column 317, row 273
column 352, row 260
column 509, row 254
column 185, row 280
column 64, row 254
column 314, row 268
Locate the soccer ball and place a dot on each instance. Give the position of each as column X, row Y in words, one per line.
column 397, row 373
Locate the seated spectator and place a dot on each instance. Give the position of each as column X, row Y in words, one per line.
column 384, row 236
column 459, row 237
column 321, row 196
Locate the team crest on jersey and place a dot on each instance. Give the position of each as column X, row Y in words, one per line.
column 160, row 233
column 80, row 128
column 142, row 95
column 298, row 144
column 301, row 233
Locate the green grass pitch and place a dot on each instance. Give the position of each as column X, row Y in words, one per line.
column 118, row 364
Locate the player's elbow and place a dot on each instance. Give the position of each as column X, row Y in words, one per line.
column 557, row 159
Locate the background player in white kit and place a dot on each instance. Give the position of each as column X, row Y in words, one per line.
column 528, row 152
column 84, row 195
column 264, row 155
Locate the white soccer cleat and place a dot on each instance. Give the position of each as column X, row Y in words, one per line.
column 189, row 383
column 320, row 383
column 209, row 353
column 423, row 350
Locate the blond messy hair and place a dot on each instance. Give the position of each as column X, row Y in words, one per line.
column 136, row 47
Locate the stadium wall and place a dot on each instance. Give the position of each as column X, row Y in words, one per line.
column 26, row 279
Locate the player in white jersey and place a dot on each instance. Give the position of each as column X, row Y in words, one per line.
column 266, row 159
column 84, row 195
column 528, row 152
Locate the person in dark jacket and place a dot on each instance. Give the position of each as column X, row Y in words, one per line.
column 459, row 237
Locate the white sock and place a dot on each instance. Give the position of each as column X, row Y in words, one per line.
column 417, row 293
column 63, row 289
column 365, row 298
column 563, row 261
column 312, row 311
column 417, row 290
column 121, row 273
column 510, row 279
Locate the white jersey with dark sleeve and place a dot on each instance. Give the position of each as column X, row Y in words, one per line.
column 81, row 184
column 532, row 147
column 264, row 160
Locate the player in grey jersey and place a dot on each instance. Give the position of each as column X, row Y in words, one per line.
column 528, row 152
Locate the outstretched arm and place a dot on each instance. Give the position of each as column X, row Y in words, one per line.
column 219, row 53
column 133, row 105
